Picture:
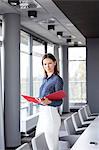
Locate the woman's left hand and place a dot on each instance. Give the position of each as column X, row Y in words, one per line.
column 46, row 101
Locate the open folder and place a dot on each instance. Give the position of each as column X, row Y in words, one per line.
column 53, row 96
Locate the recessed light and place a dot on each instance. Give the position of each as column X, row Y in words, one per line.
column 68, row 40
column 75, row 43
column 32, row 13
column 13, row 2
column 59, row 33
column 51, row 27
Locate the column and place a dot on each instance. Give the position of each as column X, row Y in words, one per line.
column 2, row 144
column 65, row 76
column 11, row 29
column 93, row 73
column 56, row 53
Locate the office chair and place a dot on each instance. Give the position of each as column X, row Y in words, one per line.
column 88, row 116
column 69, row 126
column 89, row 112
column 83, row 117
column 39, row 142
column 24, row 146
column 64, row 145
column 77, row 122
column 73, row 135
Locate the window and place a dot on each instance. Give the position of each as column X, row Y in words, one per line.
column 30, row 73
column 50, row 48
column 24, row 73
column 77, row 74
column 38, row 51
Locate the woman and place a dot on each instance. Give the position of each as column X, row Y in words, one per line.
column 49, row 119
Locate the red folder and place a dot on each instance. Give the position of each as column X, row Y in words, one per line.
column 53, row 96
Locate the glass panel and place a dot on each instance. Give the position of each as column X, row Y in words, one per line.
column 24, row 46
column 77, row 74
column 77, row 92
column 38, row 52
column 77, row 71
column 50, row 48
column 24, row 83
column 24, row 74
column 77, row 53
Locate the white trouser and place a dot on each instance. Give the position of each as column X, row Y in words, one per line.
column 49, row 122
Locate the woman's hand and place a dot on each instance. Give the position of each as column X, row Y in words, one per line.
column 46, row 101
column 39, row 100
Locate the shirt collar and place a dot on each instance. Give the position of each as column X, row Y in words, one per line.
column 49, row 77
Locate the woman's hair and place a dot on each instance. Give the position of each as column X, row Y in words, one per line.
column 52, row 57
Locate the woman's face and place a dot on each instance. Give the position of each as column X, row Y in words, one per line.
column 49, row 65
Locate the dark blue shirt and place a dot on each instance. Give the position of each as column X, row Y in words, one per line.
column 52, row 84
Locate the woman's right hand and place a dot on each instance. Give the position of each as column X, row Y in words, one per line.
column 46, row 101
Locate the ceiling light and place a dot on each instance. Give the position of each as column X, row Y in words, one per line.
column 51, row 21
column 79, row 42
column 60, row 33
column 68, row 40
column 75, row 43
column 13, row 2
column 51, row 27
column 32, row 13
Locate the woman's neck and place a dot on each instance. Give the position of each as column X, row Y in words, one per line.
column 50, row 74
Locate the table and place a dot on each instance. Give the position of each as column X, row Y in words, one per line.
column 89, row 139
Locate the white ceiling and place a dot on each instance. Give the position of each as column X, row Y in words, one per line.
column 47, row 11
